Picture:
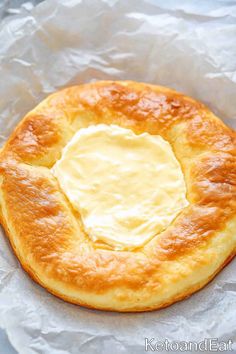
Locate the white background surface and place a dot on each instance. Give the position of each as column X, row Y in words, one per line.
column 187, row 45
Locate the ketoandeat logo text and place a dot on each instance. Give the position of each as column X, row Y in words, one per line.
column 206, row 345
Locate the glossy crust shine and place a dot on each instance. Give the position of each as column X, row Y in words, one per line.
column 46, row 233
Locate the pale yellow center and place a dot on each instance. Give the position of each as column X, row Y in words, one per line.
column 126, row 187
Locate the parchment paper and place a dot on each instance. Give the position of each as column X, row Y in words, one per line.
column 190, row 46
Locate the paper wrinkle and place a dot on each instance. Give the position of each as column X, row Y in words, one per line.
column 189, row 46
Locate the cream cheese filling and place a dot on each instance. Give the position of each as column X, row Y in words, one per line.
column 126, row 187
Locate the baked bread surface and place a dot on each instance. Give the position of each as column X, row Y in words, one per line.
column 47, row 235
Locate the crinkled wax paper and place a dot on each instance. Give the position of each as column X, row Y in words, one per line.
column 187, row 45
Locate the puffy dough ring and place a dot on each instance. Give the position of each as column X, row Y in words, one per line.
column 46, row 233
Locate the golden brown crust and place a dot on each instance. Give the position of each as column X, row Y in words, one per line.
column 46, row 232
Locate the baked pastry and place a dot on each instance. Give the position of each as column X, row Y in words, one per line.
column 120, row 195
